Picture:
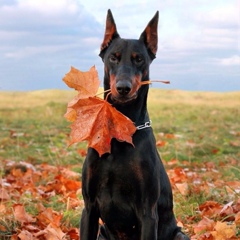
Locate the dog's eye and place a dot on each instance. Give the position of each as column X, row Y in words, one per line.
column 138, row 59
column 113, row 59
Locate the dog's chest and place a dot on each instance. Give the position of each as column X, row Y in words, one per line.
column 119, row 178
column 118, row 193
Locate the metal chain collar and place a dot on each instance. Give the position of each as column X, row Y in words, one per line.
column 145, row 125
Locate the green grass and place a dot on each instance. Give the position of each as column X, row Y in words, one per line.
column 33, row 127
column 205, row 122
column 206, row 127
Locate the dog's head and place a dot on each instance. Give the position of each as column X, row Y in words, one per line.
column 126, row 61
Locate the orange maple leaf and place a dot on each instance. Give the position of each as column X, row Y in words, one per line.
column 94, row 119
column 224, row 231
column 210, row 208
column 48, row 216
column 86, row 83
column 21, row 215
column 73, row 233
column 183, row 188
column 98, row 122
column 205, row 224
column 53, row 233
column 24, row 235
column 70, row 185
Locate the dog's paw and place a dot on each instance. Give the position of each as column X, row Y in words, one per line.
column 181, row 236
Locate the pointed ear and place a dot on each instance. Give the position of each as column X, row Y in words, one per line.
column 150, row 36
column 110, row 32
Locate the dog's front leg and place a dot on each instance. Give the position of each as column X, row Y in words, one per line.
column 149, row 225
column 89, row 224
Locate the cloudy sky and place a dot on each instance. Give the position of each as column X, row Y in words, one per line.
column 199, row 41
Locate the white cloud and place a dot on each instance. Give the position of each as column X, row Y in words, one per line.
column 223, row 16
column 27, row 52
column 50, row 7
column 13, row 35
column 230, row 61
column 43, row 38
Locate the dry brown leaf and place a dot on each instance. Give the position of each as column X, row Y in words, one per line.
column 4, row 194
column 73, row 234
column 161, row 143
column 210, row 208
column 26, row 235
column 237, row 218
column 53, row 233
column 70, row 185
column 2, row 208
column 48, row 216
column 21, row 215
column 227, row 212
column 223, row 231
column 183, row 188
column 205, row 224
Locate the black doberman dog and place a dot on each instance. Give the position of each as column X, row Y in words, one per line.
column 129, row 188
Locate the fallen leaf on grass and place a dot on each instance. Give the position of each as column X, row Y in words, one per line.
column 177, row 175
column 67, row 173
column 233, row 187
column 235, row 143
column 51, row 232
column 183, row 188
column 170, row 136
column 215, row 151
column 224, row 231
column 15, row 134
column 205, row 224
column 73, row 234
column 172, row 162
column 161, row 143
column 70, row 185
column 48, row 216
column 4, row 194
column 21, row 215
column 210, row 208
column 227, row 212
column 237, row 218
column 2, row 208
column 82, row 152
column 26, row 235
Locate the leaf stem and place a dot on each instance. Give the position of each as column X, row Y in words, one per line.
column 142, row 83
column 151, row 81
column 109, row 90
column 107, row 96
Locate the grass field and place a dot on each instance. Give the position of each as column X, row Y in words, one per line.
column 195, row 131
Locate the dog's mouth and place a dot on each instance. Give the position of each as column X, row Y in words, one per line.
column 123, row 99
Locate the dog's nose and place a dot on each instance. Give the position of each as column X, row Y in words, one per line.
column 123, row 87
